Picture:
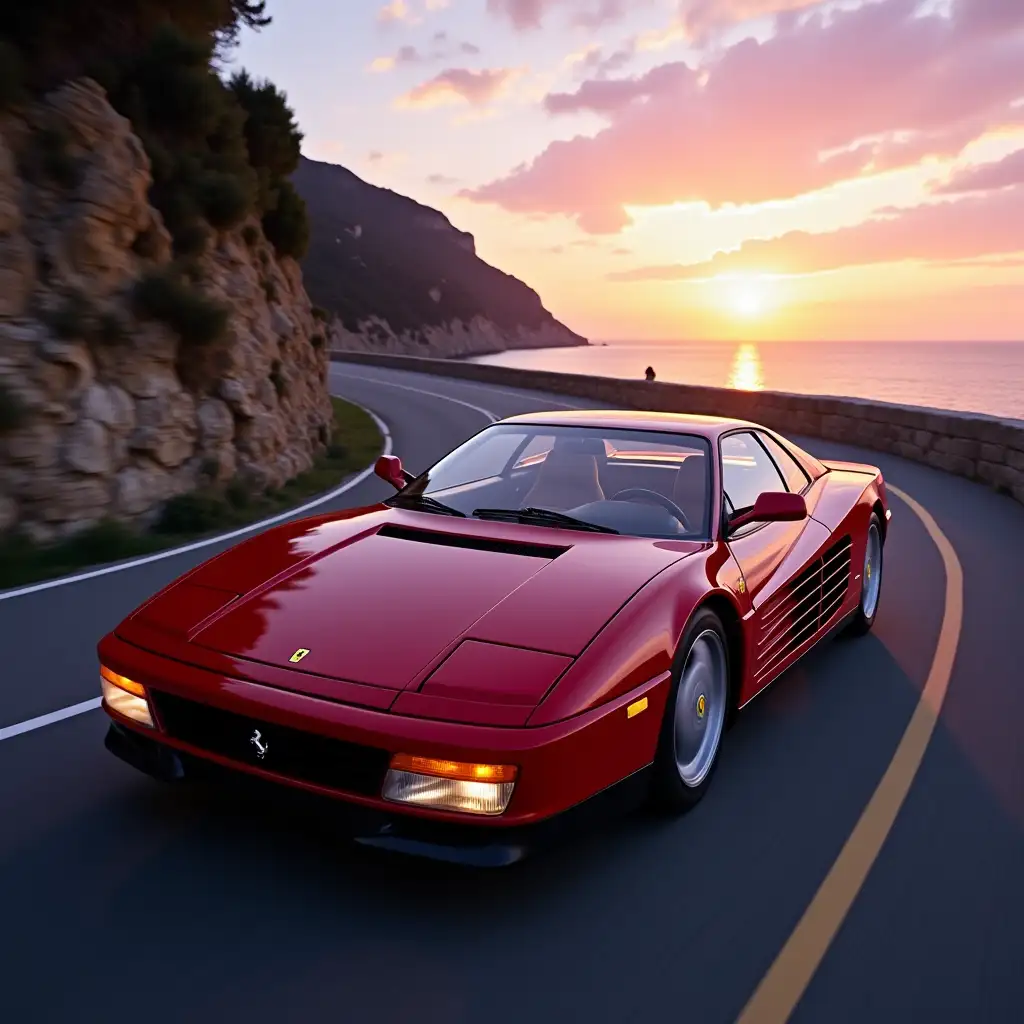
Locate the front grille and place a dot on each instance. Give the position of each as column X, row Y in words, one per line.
column 292, row 753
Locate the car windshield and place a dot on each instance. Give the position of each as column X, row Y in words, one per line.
column 635, row 482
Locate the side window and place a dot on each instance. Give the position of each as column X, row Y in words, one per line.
column 796, row 479
column 747, row 471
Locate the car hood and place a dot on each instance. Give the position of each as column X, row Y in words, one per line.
column 384, row 606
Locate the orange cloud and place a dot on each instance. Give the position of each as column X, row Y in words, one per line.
column 875, row 86
column 976, row 226
column 397, row 10
column 458, row 85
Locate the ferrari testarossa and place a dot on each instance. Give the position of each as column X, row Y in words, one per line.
column 568, row 606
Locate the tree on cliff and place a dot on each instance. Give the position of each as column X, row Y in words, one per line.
column 220, row 151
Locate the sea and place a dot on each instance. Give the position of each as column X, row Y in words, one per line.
column 985, row 377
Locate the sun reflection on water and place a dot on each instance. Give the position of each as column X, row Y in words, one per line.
column 745, row 374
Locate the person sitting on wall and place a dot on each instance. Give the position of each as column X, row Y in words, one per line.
column 649, row 373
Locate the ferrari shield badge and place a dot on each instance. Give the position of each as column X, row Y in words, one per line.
column 741, row 586
column 299, row 655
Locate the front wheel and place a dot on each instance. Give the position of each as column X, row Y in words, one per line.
column 870, row 581
column 695, row 716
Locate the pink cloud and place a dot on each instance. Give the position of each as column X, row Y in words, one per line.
column 982, row 225
column 530, row 14
column 458, row 85
column 755, row 129
column 608, row 95
column 703, row 16
column 999, row 174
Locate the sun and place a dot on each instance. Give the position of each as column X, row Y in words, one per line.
column 746, row 297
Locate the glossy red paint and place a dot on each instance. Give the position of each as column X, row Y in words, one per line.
column 559, row 766
column 773, row 507
column 389, row 469
column 497, row 642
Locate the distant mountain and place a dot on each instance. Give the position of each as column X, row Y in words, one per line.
column 398, row 276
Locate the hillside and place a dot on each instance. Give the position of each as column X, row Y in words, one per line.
column 399, row 277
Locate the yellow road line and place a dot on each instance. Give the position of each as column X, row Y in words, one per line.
column 787, row 979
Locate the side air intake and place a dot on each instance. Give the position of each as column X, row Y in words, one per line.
column 458, row 540
column 804, row 607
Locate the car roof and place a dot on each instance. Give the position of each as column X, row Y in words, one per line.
column 710, row 427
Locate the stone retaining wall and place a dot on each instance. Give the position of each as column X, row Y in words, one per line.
column 978, row 447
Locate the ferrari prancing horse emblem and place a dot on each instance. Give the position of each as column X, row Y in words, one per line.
column 299, row 655
column 701, row 706
column 261, row 748
column 741, row 586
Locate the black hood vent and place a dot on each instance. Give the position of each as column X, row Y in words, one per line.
column 458, row 540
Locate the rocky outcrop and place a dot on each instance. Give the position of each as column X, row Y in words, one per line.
column 451, row 340
column 398, row 276
column 105, row 411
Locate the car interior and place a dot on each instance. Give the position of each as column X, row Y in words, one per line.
column 616, row 483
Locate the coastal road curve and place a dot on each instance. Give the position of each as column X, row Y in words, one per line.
column 122, row 899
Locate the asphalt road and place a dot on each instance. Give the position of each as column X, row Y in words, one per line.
column 121, row 899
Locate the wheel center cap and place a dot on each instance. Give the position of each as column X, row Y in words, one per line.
column 702, row 706
column 867, row 570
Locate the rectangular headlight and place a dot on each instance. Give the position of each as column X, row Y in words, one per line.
column 125, row 696
column 449, row 785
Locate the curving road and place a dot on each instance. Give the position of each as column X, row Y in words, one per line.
column 121, row 899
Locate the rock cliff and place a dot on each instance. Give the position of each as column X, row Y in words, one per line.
column 397, row 276
column 125, row 377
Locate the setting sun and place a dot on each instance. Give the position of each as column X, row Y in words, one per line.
column 746, row 296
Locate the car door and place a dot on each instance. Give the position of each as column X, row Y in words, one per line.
column 774, row 558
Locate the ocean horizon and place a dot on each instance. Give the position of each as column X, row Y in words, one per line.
column 980, row 377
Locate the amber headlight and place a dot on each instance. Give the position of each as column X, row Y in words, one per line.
column 125, row 696
column 449, row 785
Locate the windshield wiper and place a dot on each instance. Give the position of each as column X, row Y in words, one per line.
column 539, row 517
column 424, row 503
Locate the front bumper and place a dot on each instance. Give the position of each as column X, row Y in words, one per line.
column 342, row 751
column 461, row 843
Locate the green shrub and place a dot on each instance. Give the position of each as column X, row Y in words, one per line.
column 110, row 329
column 277, row 378
column 12, row 410
column 287, row 224
column 225, row 200
column 147, row 244
column 238, row 494
column 192, row 513
column 12, row 82
column 50, row 158
column 72, row 318
column 197, row 319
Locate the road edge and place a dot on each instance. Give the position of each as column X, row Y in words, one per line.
column 156, row 556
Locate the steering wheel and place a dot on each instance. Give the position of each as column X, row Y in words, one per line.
column 659, row 499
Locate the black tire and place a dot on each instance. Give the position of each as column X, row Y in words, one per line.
column 864, row 617
column 670, row 792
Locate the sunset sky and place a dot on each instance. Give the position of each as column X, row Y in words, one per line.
column 680, row 169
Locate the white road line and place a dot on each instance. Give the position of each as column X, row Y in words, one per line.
column 54, row 716
column 522, row 394
column 63, row 581
column 10, row 731
column 420, row 391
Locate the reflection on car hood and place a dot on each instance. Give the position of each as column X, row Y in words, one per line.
column 383, row 606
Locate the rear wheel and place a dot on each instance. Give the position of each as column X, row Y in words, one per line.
column 870, row 581
column 695, row 716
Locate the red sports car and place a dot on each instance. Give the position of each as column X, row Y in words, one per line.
column 567, row 606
